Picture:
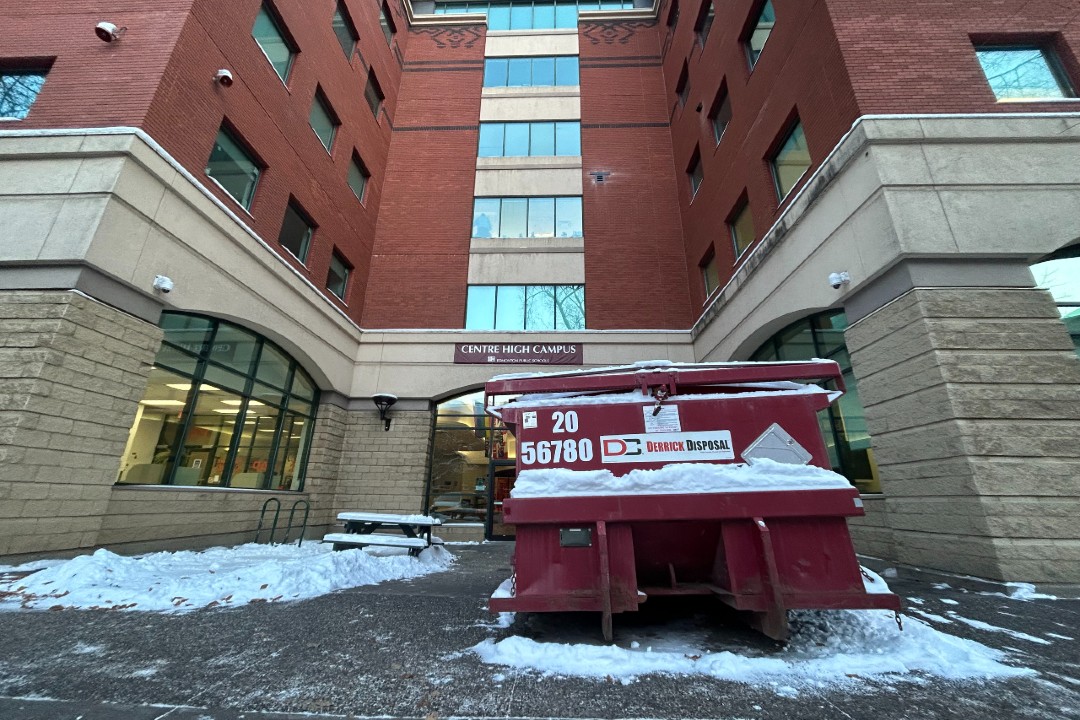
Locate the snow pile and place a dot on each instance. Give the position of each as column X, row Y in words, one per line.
column 826, row 647
column 677, row 478
column 654, row 365
column 228, row 577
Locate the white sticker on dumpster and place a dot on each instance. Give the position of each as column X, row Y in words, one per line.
column 666, row 447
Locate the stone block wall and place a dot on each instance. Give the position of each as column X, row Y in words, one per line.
column 72, row 371
column 972, row 398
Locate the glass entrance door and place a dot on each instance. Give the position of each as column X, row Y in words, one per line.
column 501, row 476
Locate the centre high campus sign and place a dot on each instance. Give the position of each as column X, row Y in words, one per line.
column 518, row 353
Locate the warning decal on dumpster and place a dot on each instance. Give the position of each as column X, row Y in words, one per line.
column 667, row 447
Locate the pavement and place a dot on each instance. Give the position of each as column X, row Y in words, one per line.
column 400, row 650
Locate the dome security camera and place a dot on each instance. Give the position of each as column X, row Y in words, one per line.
column 838, row 280
column 107, row 32
column 224, row 78
column 163, row 283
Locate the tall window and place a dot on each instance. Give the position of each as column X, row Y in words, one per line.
column 386, row 22
column 223, row 407
column 791, row 161
column 741, row 227
column 673, row 15
column 344, row 29
column 760, row 33
column 532, row 217
column 525, row 307
column 232, row 167
column 278, row 48
column 704, row 21
column 720, row 114
column 1023, row 73
column 358, row 177
column 517, row 139
column 710, row 276
column 323, row 120
column 844, row 424
column 695, row 172
column 531, row 71
column 373, row 93
column 682, row 88
column 296, row 231
column 337, row 277
column 19, row 88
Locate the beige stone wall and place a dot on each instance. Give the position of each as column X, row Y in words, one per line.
column 72, row 371
column 973, row 400
column 871, row 533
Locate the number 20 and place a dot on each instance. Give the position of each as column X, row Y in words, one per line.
column 565, row 422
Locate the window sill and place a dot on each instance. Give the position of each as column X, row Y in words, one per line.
column 229, row 195
column 478, row 246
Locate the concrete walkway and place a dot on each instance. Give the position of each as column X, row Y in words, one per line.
column 400, row 650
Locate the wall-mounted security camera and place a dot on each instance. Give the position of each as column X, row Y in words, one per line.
column 163, row 284
column 224, row 78
column 838, row 280
column 107, row 32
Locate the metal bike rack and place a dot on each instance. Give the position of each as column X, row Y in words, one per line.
column 289, row 527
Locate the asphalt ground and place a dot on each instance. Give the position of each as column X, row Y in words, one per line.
column 400, row 650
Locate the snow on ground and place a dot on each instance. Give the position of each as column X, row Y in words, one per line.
column 764, row 474
column 220, row 576
column 826, row 648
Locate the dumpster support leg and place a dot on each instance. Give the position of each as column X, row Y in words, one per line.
column 605, row 579
column 772, row 622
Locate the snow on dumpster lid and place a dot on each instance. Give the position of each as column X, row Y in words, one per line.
column 677, row 479
column 651, row 365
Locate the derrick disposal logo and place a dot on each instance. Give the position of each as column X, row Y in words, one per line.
column 666, row 447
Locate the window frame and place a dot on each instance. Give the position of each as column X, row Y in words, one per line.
column 709, row 261
column 559, row 139
column 336, row 256
column 342, row 11
column 305, row 244
column 557, row 291
column 742, row 206
column 722, row 98
column 1053, row 64
column 373, row 83
column 752, row 30
column 358, row 162
column 286, row 38
column 386, row 23
column 320, row 100
column 695, row 171
column 682, row 87
column 15, row 68
column 795, row 123
column 672, row 16
column 705, row 19
column 230, row 132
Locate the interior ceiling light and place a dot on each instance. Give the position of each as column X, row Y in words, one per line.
column 179, row 386
column 227, row 411
column 164, row 403
column 237, row 402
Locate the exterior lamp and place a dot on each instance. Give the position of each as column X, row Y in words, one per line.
column 383, row 401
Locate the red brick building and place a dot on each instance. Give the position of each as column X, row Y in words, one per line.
column 298, row 205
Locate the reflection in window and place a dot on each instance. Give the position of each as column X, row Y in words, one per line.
column 525, row 307
column 527, row 217
column 843, row 425
column 1062, row 278
column 539, row 14
column 337, row 276
column 720, row 115
column 791, row 161
column 358, row 177
column 520, row 139
column 531, row 71
column 741, row 227
column 296, row 231
column 386, row 22
column 277, row 48
column 223, row 407
column 323, row 120
column 704, row 23
column 344, row 29
column 1023, row 73
column 695, row 172
column 760, row 34
column 19, row 89
column 233, row 167
column 709, row 274
column 373, row 93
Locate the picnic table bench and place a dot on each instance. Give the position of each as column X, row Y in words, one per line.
column 360, row 531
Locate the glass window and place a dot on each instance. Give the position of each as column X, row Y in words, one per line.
column 337, row 277
column 296, row 231
column 495, row 72
column 373, row 93
column 569, row 307
column 720, row 115
column 386, row 22
column 543, row 15
column 566, row 70
column 499, row 17
column 682, row 88
column 695, row 172
column 673, row 14
column 705, row 20
column 517, row 140
column 542, row 140
column 568, row 138
column 792, row 160
column 709, row 274
column 480, row 308
column 566, row 15
column 515, row 212
column 543, row 71
column 492, row 136
column 18, row 91
column 541, row 217
column 510, row 307
column 568, row 222
column 540, row 307
column 762, row 29
column 323, row 121
column 742, row 229
column 277, row 48
column 1062, row 278
column 344, row 30
column 521, row 16
column 486, row 217
column 233, row 168
column 1023, row 73
column 192, row 429
column 358, row 177
column 519, row 72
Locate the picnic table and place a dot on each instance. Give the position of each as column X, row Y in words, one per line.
column 413, row 531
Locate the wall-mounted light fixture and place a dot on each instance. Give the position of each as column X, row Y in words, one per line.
column 107, row 32
column 383, row 401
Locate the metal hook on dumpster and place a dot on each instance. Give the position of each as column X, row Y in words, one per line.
column 661, row 394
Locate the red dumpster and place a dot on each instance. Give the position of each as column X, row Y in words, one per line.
column 662, row 479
